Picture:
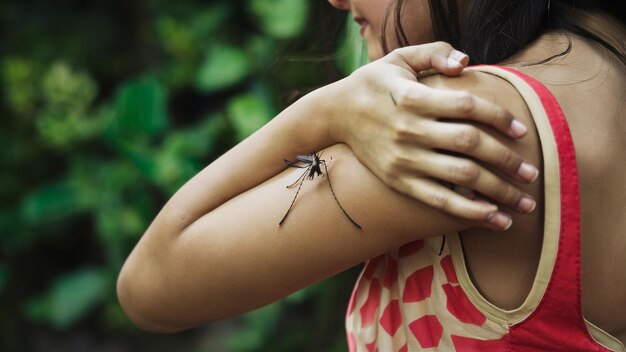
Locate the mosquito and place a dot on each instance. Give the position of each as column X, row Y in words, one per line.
column 313, row 168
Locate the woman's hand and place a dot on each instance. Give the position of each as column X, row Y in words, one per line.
column 392, row 124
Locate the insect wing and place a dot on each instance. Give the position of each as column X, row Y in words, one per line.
column 291, row 164
column 309, row 159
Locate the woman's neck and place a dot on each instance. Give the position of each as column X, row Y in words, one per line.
column 555, row 43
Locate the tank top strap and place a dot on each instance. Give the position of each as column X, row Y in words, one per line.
column 560, row 307
column 564, row 287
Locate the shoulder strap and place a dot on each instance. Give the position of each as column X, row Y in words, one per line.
column 559, row 313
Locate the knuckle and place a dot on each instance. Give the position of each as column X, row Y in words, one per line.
column 392, row 178
column 397, row 162
column 401, row 131
column 503, row 116
column 508, row 195
column 508, row 160
column 466, row 103
column 393, row 56
column 405, row 97
column 476, row 214
column 442, row 46
column 467, row 139
column 407, row 130
column 438, row 201
column 398, row 54
column 466, row 173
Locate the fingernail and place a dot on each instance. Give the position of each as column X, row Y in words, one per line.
column 455, row 58
column 526, row 204
column 500, row 219
column 517, row 129
column 527, row 172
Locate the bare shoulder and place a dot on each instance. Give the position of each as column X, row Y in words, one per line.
column 485, row 86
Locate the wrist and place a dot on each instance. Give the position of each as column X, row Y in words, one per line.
column 312, row 120
column 331, row 105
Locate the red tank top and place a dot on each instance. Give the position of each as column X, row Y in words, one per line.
column 416, row 299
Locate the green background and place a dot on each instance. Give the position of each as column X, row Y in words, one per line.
column 107, row 108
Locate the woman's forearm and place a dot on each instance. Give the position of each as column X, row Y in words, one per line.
column 302, row 128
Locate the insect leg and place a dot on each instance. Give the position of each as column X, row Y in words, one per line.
column 300, row 178
column 337, row 200
column 294, row 198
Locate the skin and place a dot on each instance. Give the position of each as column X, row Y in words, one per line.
column 503, row 267
column 216, row 249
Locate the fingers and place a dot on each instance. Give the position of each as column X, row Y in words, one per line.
column 472, row 141
column 441, row 198
column 473, row 177
column 497, row 221
column 439, row 55
column 456, row 104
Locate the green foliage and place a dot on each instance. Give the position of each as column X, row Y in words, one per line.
column 223, row 66
column 247, row 113
column 140, row 110
column 280, row 18
column 70, row 297
column 101, row 126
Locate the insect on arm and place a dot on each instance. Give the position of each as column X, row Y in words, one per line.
column 313, row 169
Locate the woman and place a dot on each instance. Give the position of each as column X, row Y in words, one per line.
column 216, row 248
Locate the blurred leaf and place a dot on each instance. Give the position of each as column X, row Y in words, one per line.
column 172, row 171
column 100, row 182
column 62, row 130
column 115, row 223
column 19, row 82
column 248, row 113
column 69, row 298
column 66, row 90
column 163, row 167
column 223, row 66
column 140, row 155
column 53, row 201
column 207, row 21
column 140, row 109
column 176, row 37
column 280, row 18
column 196, row 141
column 262, row 49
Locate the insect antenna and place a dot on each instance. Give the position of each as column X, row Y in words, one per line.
column 337, row 200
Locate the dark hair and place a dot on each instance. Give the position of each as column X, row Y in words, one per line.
column 493, row 30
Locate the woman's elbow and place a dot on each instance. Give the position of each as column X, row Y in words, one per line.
column 138, row 302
